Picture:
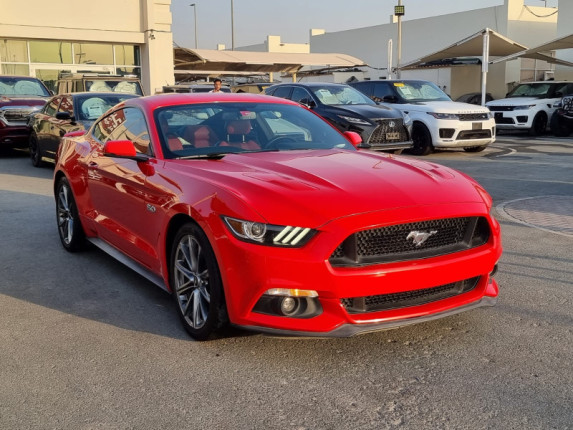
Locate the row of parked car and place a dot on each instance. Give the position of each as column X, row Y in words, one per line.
column 389, row 115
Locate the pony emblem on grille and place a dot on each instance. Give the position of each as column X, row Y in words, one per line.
column 420, row 237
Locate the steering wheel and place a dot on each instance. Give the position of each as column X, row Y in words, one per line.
column 276, row 141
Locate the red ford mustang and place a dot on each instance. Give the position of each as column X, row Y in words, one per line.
column 252, row 210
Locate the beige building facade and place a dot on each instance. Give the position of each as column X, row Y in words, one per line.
column 105, row 36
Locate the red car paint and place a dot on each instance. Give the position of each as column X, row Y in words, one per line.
column 130, row 204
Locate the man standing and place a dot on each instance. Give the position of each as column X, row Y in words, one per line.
column 216, row 86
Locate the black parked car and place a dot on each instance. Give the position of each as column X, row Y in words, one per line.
column 562, row 119
column 65, row 113
column 381, row 127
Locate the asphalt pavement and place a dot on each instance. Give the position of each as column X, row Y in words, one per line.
column 87, row 344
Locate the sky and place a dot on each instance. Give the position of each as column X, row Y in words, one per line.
column 292, row 20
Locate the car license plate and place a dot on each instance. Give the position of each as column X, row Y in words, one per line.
column 476, row 126
column 393, row 136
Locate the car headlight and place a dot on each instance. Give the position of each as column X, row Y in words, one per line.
column 444, row 115
column 269, row 234
column 523, row 107
column 354, row 120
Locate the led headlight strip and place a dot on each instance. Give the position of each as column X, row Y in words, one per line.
column 291, row 235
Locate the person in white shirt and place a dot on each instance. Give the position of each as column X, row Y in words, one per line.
column 216, row 86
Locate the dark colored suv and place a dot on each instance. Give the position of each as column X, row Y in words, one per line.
column 562, row 119
column 20, row 96
column 381, row 127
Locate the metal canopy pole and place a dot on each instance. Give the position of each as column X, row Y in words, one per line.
column 484, row 65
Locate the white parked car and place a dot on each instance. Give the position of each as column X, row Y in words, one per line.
column 529, row 106
column 438, row 122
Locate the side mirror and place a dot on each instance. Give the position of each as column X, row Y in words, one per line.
column 123, row 149
column 309, row 103
column 354, row 138
column 64, row 116
column 390, row 99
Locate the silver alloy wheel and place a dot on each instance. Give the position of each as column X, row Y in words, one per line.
column 191, row 278
column 65, row 214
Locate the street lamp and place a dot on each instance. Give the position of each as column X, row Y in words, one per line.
column 399, row 11
column 195, row 15
column 232, row 28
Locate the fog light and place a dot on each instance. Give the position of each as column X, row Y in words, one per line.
column 289, row 305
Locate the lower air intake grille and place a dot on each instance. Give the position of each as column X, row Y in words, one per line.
column 406, row 299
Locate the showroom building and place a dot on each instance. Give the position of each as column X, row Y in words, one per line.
column 108, row 36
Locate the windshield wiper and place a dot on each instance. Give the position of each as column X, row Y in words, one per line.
column 211, row 156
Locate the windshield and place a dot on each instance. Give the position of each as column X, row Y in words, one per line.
column 12, row 86
column 205, row 129
column 91, row 107
column 333, row 95
column 109, row 85
column 419, row 91
column 540, row 90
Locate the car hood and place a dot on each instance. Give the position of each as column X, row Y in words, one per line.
column 366, row 111
column 18, row 101
column 443, row 107
column 321, row 185
column 518, row 101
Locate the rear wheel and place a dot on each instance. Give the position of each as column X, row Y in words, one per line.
column 70, row 229
column 35, row 153
column 196, row 283
column 539, row 124
column 422, row 140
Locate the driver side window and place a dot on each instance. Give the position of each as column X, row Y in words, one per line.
column 125, row 124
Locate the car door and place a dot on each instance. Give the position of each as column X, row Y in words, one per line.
column 43, row 122
column 117, row 187
column 59, row 126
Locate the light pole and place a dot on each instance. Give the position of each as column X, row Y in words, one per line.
column 232, row 28
column 195, row 15
column 399, row 12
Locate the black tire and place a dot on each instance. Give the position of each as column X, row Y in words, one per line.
column 559, row 126
column 35, row 153
column 422, row 140
column 196, row 283
column 70, row 228
column 539, row 125
column 475, row 148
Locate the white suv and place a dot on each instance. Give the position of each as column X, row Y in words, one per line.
column 438, row 122
column 529, row 106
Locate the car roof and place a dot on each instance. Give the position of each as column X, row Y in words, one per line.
column 173, row 99
column 310, row 84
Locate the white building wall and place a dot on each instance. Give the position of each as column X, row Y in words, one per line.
column 565, row 28
column 428, row 35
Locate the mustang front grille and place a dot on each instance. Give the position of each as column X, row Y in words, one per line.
column 406, row 299
column 389, row 131
column 411, row 241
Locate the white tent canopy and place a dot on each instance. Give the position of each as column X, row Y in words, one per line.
column 484, row 44
column 565, row 42
column 481, row 44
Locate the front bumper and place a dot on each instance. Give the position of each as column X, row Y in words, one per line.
column 248, row 271
column 461, row 134
column 14, row 136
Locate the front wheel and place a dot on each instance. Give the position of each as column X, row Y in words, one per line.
column 422, row 140
column 35, row 152
column 70, row 229
column 539, row 124
column 196, row 283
